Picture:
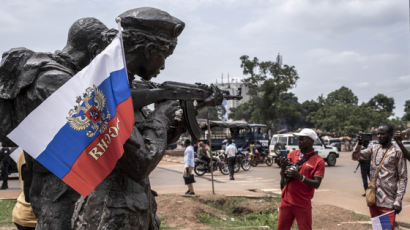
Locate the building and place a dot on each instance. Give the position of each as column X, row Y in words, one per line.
column 234, row 86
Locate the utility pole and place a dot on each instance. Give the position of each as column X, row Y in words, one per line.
column 210, row 150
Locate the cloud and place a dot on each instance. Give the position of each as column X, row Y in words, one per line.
column 362, row 44
column 404, row 79
column 364, row 84
column 327, row 18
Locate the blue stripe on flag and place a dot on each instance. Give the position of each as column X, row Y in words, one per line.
column 68, row 144
column 385, row 222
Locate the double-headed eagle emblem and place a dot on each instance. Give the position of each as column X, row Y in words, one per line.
column 90, row 113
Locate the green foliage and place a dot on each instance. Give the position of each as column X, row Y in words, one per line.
column 308, row 107
column 271, row 103
column 268, row 83
column 249, row 221
column 243, row 111
column 165, row 226
column 406, row 116
column 382, row 103
column 215, row 113
column 6, row 209
column 231, row 219
column 340, row 113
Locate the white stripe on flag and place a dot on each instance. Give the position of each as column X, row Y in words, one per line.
column 376, row 223
column 40, row 127
column 16, row 153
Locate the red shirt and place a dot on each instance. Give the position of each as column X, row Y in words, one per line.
column 297, row 193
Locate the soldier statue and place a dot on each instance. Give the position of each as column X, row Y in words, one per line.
column 124, row 200
column 27, row 78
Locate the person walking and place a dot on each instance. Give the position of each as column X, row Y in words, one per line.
column 231, row 154
column 4, row 166
column 301, row 173
column 365, row 168
column 388, row 172
column 188, row 167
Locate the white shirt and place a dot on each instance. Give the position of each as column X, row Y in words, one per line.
column 189, row 157
column 231, row 150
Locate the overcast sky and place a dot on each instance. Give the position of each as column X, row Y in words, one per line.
column 361, row 44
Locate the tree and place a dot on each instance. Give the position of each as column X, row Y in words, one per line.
column 307, row 108
column 342, row 96
column 406, row 116
column 243, row 111
column 335, row 112
column 215, row 113
column 340, row 113
column 267, row 82
column 290, row 112
column 382, row 103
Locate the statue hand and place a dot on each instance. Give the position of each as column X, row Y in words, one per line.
column 168, row 109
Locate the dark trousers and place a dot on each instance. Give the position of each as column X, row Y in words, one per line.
column 365, row 171
column 231, row 166
column 19, row 227
column 5, row 170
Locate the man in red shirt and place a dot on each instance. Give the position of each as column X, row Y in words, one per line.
column 300, row 180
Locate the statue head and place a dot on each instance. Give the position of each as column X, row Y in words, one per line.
column 85, row 40
column 150, row 36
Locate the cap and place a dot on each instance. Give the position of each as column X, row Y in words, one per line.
column 307, row 133
column 152, row 20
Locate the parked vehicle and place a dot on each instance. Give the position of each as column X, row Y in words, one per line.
column 241, row 132
column 258, row 157
column 335, row 142
column 238, row 160
column 202, row 166
column 242, row 159
column 328, row 153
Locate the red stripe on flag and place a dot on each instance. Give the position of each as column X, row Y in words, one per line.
column 98, row 160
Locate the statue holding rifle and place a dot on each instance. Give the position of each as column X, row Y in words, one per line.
column 27, row 78
column 124, row 200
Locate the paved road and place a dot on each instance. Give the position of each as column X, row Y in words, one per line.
column 340, row 187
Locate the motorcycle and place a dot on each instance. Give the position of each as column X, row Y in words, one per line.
column 259, row 156
column 242, row 159
column 238, row 159
column 202, row 166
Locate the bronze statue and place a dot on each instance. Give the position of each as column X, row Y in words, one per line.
column 124, row 200
column 26, row 79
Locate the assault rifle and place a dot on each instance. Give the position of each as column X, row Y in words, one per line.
column 145, row 93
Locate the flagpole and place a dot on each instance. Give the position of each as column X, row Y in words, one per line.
column 120, row 29
column 118, row 21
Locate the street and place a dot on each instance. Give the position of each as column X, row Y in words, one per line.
column 340, row 187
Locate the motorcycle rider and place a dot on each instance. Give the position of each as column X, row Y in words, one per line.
column 202, row 153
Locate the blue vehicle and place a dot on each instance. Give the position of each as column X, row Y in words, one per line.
column 242, row 133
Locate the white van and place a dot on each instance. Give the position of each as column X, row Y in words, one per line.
column 328, row 153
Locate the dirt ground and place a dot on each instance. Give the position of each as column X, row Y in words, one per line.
column 182, row 212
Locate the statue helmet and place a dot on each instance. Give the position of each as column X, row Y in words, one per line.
column 153, row 21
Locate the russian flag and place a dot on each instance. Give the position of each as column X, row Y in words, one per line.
column 79, row 131
column 383, row 222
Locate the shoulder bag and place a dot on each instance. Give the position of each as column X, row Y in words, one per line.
column 371, row 189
